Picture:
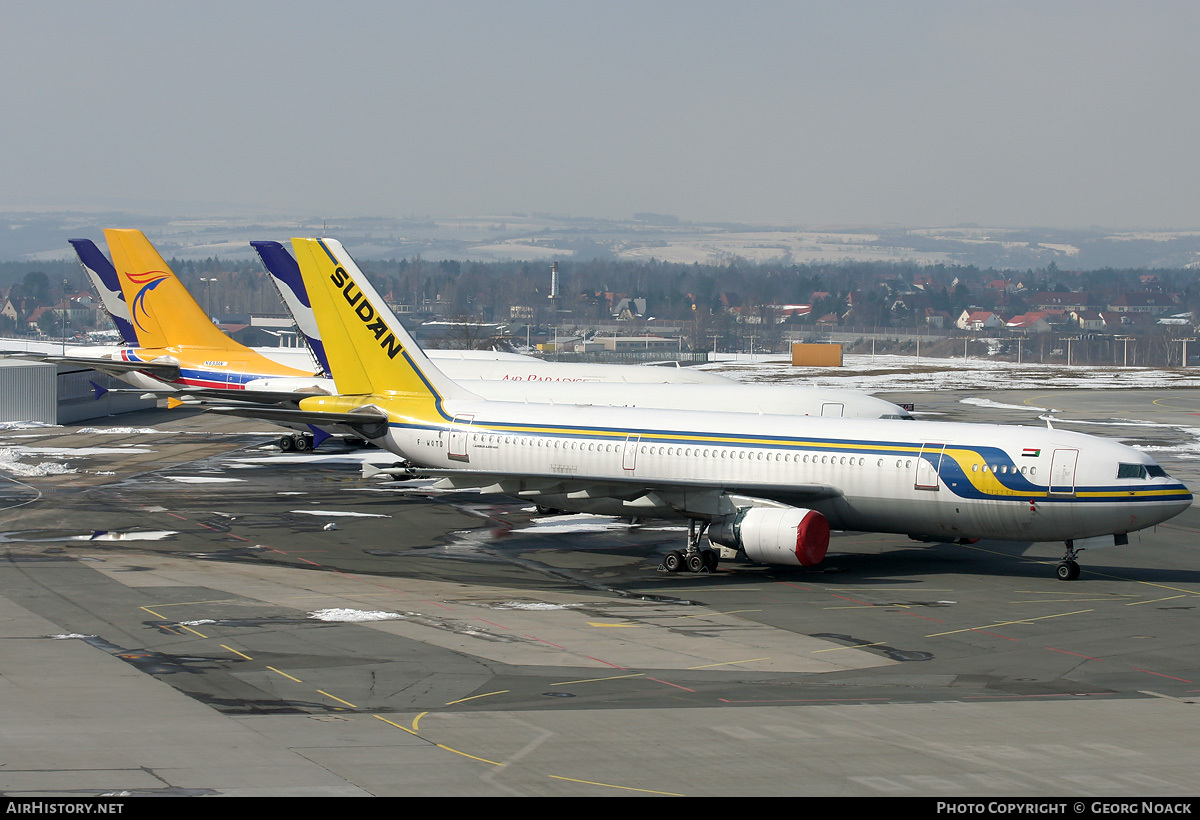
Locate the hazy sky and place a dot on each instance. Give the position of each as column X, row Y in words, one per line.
column 1042, row 113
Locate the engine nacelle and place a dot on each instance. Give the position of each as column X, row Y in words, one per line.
column 775, row 535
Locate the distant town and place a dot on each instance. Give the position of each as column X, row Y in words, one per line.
column 651, row 287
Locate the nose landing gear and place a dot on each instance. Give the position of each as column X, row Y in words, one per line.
column 1068, row 567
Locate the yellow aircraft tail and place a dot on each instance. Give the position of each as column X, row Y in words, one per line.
column 368, row 349
column 164, row 313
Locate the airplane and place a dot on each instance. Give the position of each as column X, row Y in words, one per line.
column 173, row 348
column 766, row 487
column 146, row 282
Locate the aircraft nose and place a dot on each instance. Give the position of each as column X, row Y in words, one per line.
column 1177, row 505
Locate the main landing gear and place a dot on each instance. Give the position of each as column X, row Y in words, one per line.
column 693, row 559
column 300, row 442
column 1068, row 568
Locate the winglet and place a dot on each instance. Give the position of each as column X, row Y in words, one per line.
column 104, row 279
column 319, row 436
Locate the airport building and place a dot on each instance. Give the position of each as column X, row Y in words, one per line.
column 60, row 394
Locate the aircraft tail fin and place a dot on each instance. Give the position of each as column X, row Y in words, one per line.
column 285, row 273
column 368, row 349
column 103, row 277
column 164, row 314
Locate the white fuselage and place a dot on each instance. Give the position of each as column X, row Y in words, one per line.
column 928, row 479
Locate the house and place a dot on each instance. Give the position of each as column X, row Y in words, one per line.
column 1151, row 303
column 937, row 318
column 1090, row 320
column 977, row 320
column 1034, row 322
column 1058, row 300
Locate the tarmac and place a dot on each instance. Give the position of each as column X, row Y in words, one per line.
column 191, row 612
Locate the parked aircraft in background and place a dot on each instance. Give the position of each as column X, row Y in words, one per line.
column 597, row 388
column 769, row 487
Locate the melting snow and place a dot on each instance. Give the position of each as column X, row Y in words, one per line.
column 354, row 615
column 341, row 512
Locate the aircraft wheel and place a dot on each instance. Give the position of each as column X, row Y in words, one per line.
column 1067, row 571
column 696, row 562
column 303, row 444
column 286, row 443
column 673, row 561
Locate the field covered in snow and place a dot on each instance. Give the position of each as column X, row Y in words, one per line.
column 882, row 373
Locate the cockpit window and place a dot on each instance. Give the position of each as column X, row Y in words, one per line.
column 1140, row 471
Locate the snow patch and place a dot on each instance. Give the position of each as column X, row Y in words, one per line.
column 352, row 616
column 334, row 513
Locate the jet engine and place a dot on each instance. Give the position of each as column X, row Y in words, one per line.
column 775, row 535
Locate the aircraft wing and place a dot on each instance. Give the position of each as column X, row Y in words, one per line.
column 634, row 493
column 251, row 396
column 368, row 422
column 166, row 369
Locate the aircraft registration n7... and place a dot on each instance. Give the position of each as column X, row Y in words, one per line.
column 767, row 486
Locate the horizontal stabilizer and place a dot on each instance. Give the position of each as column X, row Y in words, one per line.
column 369, row 422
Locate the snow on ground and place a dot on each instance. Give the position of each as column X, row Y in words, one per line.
column 25, row 425
column 890, row 372
column 201, row 479
column 354, row 615
column 533, row 606
column 582, row 522
column 116, row 431
column 341, row 513
column 10, row 462
column 143, row 535
column 365, row 456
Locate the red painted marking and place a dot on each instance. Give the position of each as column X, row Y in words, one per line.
column 925, row 617
column 491, row 623
column 1076, row 654
column 1161, row 675
column 238, row 537
column 305, row 560
column 214, row 529
column 180, row 517
column 668, row 683
column 606, row 663
column 994, row 634
column 797, row 586
column 543, row 640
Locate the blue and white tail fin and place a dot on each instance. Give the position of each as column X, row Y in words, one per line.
column 285, row 273
column 104, row 278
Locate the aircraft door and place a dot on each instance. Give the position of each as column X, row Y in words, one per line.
column 833, row 409
column 1062, row 472
column 929, row 463
column 629, row 453
column 460, row 438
